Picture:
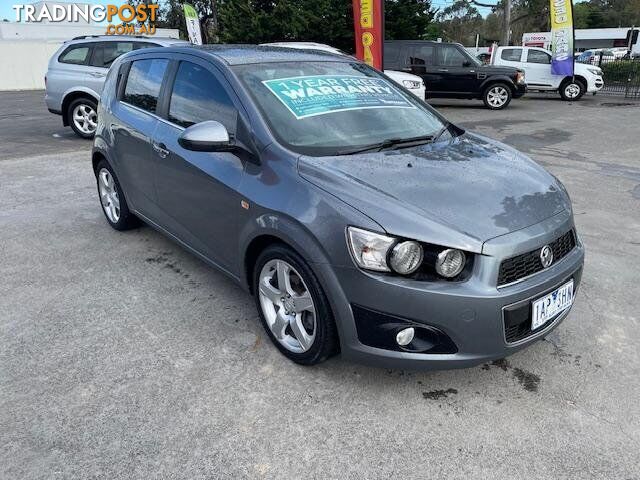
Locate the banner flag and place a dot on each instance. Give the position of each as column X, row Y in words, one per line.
column 562, row 37
column 368, row 18
column 193, row 24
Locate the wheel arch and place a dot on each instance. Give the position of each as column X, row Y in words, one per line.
column 74, row 95
column 499, row 79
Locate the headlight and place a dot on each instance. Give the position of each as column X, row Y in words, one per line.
column 406, row 257
column 595, row 71
column 450, row 262
column 370, row 249
column 411, row 84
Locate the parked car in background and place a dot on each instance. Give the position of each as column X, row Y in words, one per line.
column 76, row 74
column 484, row 58
column 449, row 71
column 596, row 56
column 536, row 63
column 413, row 83
column 361, row 220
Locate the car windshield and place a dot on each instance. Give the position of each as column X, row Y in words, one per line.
column 327, row 108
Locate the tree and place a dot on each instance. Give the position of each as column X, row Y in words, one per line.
column 409, row 19
column 460, row 22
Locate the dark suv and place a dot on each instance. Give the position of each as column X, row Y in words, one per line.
column 449, row 71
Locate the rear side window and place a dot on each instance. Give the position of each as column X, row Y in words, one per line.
column 198, row 96
column 511, row 54
column 422, row 55
column 144, row 82
column 105, row 53
column 391, row 53
column 536, row 56
column 76, row 55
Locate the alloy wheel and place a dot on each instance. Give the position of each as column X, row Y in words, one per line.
column 497, row 96
column 572, row 90
column 85, row 118
column 287, row 306
column 109, row 195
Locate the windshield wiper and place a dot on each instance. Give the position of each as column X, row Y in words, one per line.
column 396, row 142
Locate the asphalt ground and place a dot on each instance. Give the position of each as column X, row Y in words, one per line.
column 123, row 356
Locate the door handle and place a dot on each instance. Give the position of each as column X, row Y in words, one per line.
column 160, row 149
column 97, row 74
column 443, row 69
column 406, row 69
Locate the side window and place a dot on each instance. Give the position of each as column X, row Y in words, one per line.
column 391, row 53
column 422, row 55
column 139, row 45
column 144, row 82
column 451, row 56
column 105, row 53
column 198, row 96
column 76, row 55
column 511, row 54
column 537, row 56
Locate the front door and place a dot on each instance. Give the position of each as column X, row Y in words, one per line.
column 197, row 191
column 459, row 75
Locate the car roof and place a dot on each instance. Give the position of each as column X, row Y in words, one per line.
column 248, row 54
column 130, row 38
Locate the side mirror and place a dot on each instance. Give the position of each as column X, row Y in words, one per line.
column 209, row 136
column 466, row 64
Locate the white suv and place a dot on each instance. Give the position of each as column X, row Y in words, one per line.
column 536, row 63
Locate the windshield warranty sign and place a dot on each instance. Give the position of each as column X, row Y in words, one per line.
column 309, row 96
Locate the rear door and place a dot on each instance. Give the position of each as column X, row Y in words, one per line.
column 537, row 69
column 197, row 191
column 136, row 113
column 422, row 62
column 104, row 53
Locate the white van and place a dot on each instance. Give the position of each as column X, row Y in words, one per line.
column 536, row 63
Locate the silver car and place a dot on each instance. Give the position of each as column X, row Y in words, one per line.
column 77, row 71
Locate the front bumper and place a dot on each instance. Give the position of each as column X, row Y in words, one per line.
column 521, row 89
column 595, row 84
column 470, row 313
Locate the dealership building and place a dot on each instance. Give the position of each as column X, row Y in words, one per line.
column 26, row 48
column 585, row 38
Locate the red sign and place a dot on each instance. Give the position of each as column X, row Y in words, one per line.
column 369, row 27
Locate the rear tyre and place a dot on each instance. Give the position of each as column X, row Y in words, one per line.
column 82, row 115
column 497, row 96
column 114, row 205
column 572, row 90
column 293, row 307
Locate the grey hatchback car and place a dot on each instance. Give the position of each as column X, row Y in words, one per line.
column 359, row 218
column 77, row 71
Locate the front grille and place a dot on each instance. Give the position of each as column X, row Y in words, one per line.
column 521, row 266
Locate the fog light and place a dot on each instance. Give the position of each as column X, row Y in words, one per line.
column 405, row 336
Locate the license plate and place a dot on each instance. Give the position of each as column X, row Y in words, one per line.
column 547, row 307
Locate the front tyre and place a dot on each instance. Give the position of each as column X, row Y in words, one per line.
column 82, row 115
column 497, row 96
column 114, row 205
column 572, row 90
column 293, row 307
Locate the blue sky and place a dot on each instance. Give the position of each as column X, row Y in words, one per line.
column 6, row 10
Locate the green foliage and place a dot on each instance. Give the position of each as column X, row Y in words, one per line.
column 409, row 20
column 324, row 21
column 619, row 72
